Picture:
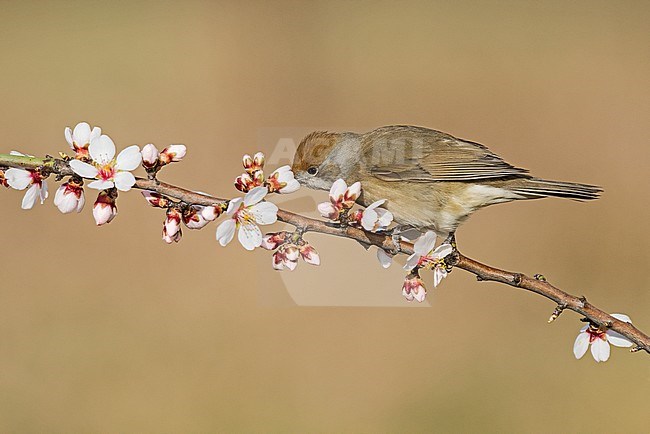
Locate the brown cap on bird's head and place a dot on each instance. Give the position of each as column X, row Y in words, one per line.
column 313, row 150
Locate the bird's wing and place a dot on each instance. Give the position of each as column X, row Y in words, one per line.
column 423, row 155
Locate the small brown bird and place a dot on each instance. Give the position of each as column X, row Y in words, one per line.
column 430, row 179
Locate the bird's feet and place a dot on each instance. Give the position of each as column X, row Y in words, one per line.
column 451, row 239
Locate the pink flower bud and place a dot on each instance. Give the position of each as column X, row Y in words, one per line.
column 104, row 209
column 172, row 153
column 69, row 197
column 155, row 199
column 150, row 156
column 271, row 241
column 211, row 213
column 309, row 255
column 172, row 226
column 351, row 195
column 286, row 257
column 193, row 218
column 244, row 182
column 252, row 164
column 413, row 288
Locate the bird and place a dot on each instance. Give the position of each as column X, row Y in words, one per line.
column 430, row 180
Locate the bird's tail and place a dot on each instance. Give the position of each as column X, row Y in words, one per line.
column 533, row 188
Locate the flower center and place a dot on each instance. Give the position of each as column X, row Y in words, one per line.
column 595, row 333
column 107, row 171
column 243, row 215
column 37, row 178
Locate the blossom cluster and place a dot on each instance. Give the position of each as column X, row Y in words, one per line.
column 95, row 162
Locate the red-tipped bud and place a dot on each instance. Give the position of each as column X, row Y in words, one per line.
column 105, row 209
column 172, row 228
column 155, row 199
column 172, row 153
column 69, row 197
column 150, row 156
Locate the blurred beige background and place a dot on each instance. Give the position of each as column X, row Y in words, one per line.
column 110, row 330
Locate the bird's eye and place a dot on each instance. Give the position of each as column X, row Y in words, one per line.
column 312, row 170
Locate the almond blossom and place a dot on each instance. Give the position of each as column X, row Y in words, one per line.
column 69, row 197
column 193, row 217
column 254, row 163
column 20, row 179
column 109, row 171
column 599, row 339
column 79, row 139
column 413, row 288
column 342, row 198
column 172, row 232
column 246, row 182
column 289, row 250
column 172, row 154
column 105, row 209
column 282, row 181
column 426, row 257
column 374, row 218
column 150, row 156
column 244, row 216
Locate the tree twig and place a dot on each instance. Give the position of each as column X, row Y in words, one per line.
column 536, row 284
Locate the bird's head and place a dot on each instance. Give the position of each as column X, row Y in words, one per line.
column 323, row 157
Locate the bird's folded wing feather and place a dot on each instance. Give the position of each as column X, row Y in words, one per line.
column 440, row 157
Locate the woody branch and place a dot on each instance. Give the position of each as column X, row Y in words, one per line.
column 536, row 284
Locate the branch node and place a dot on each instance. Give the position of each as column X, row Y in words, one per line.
column 517, row 278
column 583, row 301
column 540, row 277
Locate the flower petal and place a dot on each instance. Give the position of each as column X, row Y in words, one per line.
column 234, row 205
column 82, row 169
column 412, row 261
column 101, row 184
column 292, row 186
column 68, row 136
column 442, row 251
column 129, row 159
column 328, row 210
column 43, row 193
column 354, row 190
column 265, row 213
column 581, row 345
column 369, row 218
column 425, row 243
column 102, row 149
column 438, row 274
column 385, row 218
column 617, row 339
column 226, row 231
column 384, row 258
column 249, row 236
column 81, row 134
column 255, row 195
column 95, row 133
column 31, row 195
column 18, row 179
column 338, row 189
column 600, row 350
column 124, row 180
column 622, row 317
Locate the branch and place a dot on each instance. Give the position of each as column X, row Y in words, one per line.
column 536, row 284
